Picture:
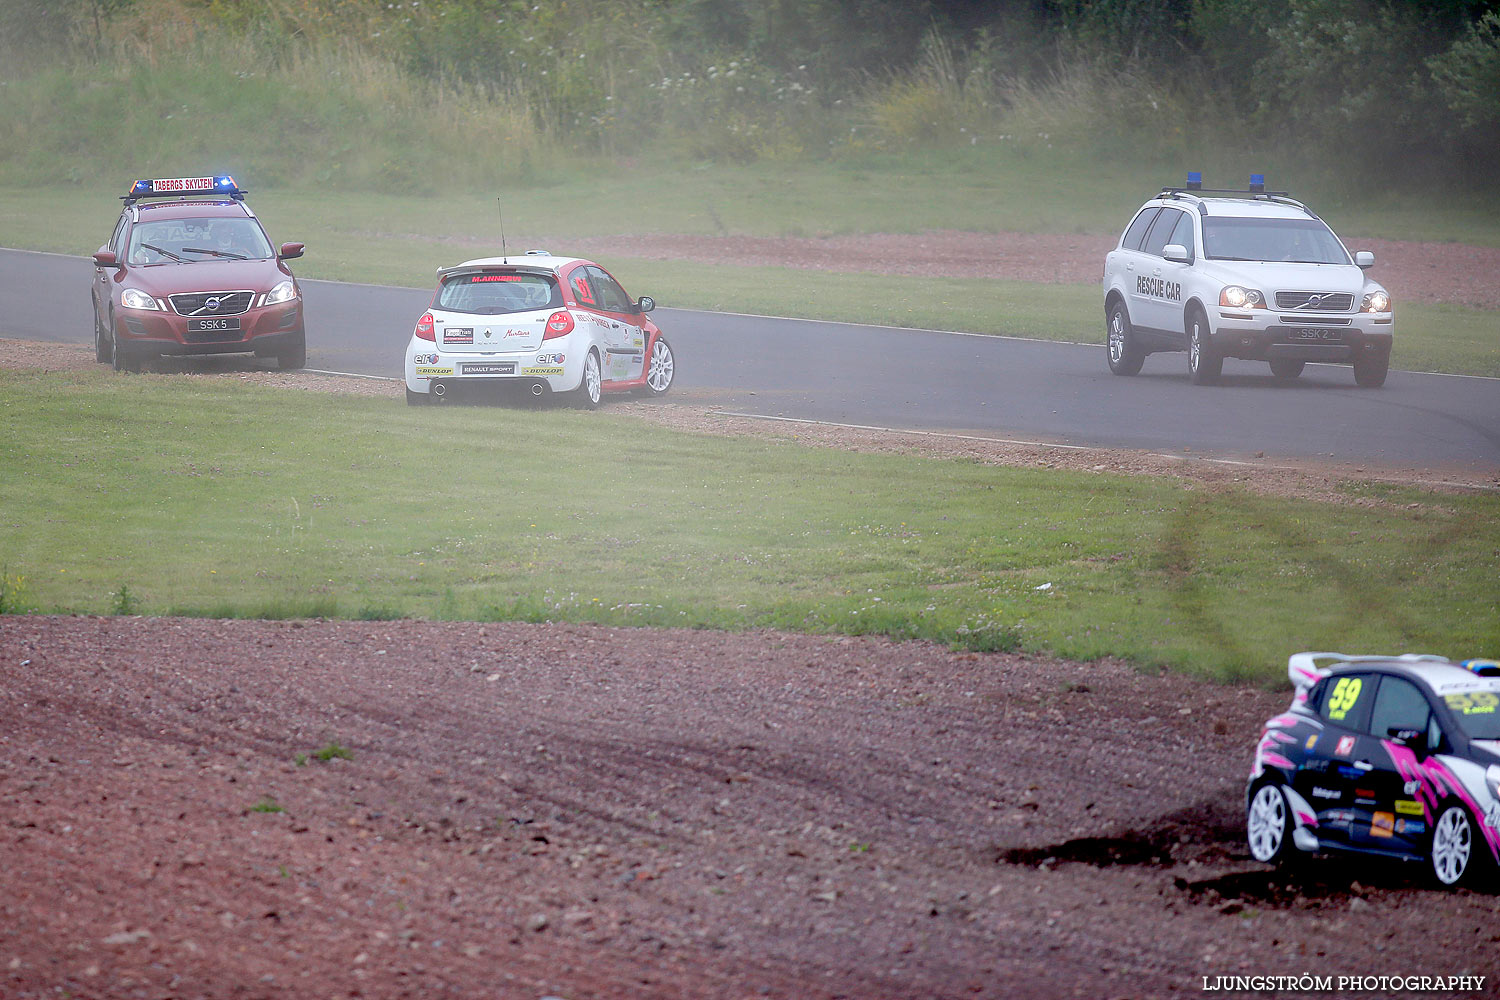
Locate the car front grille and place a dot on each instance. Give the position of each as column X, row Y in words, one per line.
column 1315, row 301
column 212, row 303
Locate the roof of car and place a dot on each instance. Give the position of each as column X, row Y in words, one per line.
column 1441, row 676
column 532, row 258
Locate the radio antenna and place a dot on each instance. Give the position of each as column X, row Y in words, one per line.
column 499, row 210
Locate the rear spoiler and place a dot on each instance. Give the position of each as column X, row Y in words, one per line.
column 1306, row 669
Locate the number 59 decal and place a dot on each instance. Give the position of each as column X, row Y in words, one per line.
column 1345, row 694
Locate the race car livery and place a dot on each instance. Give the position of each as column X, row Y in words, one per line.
column 1397, row 756
column 1245, row 274
column 538, row 323
column 194, row 275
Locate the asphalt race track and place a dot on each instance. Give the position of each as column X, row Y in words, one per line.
column 914, row 379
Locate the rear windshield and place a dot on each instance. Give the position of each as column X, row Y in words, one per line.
column 1295, row 241
column 491, row 294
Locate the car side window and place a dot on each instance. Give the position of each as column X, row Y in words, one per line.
column 612, row 297
column 1399, row 704
column 1345, row 700
column 1137, row 231
column 116, row 239
column 583, row 289
column 1182, row 234
column 1161, row 231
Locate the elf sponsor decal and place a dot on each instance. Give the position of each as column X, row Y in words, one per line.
column 1382, row 824
column 1158, row 288
column 551, row 359
column 458, row 335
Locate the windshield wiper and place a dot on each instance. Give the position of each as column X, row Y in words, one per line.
column 165, row 253
column 216, row 253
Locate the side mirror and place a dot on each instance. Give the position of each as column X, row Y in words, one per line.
column 1364, row 259
column 107, row 258
column 290, row 250
column 1177, row 253
column 646, row 304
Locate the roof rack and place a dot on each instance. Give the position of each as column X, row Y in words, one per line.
column 1195, row 190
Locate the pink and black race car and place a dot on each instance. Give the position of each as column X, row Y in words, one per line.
column 1394, row 756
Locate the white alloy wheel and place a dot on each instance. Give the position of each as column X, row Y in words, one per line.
column 1452, row 845
column 1268, row 824
column 590, row 387
column 663, row 368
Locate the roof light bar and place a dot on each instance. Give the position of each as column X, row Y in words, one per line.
column 221, row 185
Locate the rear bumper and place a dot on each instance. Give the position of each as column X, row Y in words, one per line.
column 554, row 367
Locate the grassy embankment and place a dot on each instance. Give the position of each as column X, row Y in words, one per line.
column 159, row 494
column 386, row 176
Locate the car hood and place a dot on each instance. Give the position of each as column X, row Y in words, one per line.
column 1268, row 276
column 207, row 276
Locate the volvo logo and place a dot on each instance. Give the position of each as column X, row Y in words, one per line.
column 211, row 303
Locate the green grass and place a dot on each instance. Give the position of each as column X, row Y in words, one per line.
column 206, row 497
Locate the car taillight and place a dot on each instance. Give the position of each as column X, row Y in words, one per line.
column 559, row 324
column 424, row 328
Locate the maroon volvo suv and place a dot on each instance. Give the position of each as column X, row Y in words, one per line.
column 195, row 274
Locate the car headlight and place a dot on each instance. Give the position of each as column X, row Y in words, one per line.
column 134, row 298
column 1376, row 302
column 284, row 291
column 1240, row 297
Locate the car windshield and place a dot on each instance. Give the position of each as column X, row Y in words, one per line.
column 158, row 240
column 491, row 293
column 1295, row 241
column 1477, row 712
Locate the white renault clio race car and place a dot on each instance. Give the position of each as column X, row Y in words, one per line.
column 537, row 323
column 1242, row 274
